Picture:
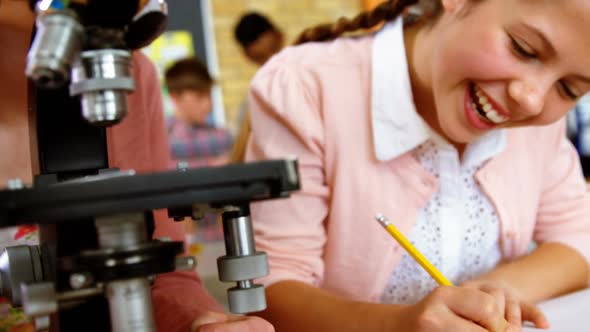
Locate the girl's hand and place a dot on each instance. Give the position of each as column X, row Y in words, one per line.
column 515, row 310
column 220, row 322
column 453, row 309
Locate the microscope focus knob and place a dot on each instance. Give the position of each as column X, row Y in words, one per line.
column 246, row 296
column 238, row 268
column 246, row 300
column 39, row 299
column 18, row 265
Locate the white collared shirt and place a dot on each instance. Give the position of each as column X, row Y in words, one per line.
column 458, row 229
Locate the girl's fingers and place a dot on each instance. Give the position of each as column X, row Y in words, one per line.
column 500, row 297
column 513, row 311
column 457, row 323
column 475, row 306
column 240, row 324
column 209, row 318
column 221, row 322
column 532, row 313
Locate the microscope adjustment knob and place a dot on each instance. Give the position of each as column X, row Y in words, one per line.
column 245, row 300
column 238, row 268
column 39, row 299
column 20, row 264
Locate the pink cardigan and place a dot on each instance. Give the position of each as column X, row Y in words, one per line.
column 314, row 102
column 140, row 142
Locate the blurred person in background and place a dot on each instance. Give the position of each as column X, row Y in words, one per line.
column 192, row 138
column 259, row 39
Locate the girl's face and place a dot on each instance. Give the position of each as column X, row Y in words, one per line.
column 507, row 63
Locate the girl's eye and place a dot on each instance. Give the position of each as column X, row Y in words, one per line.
column 568, row 91
column 521, row 50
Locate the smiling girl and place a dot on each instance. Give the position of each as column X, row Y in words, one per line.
column 447, row 121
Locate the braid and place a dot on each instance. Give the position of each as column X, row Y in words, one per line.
column 386, row 11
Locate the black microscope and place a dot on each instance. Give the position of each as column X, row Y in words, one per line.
column 95, row 262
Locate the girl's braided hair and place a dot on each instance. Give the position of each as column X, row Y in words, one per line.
column 386, row 11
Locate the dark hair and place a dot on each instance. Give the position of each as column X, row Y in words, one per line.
column 188, row 74
column 386, row 11
column 250, row 27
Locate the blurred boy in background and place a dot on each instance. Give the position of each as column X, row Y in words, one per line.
column 195, row 141
column 191, row 136
column 259, row 39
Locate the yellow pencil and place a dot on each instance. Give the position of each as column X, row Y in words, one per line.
column 401, row 239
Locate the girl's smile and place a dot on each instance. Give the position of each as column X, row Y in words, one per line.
column 481, row 110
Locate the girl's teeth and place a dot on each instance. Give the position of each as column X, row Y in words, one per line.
column 490, row 113
column 494, row 116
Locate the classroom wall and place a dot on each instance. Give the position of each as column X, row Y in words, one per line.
column 291, row 16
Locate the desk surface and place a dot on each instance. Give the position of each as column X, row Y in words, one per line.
column 568, row 313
